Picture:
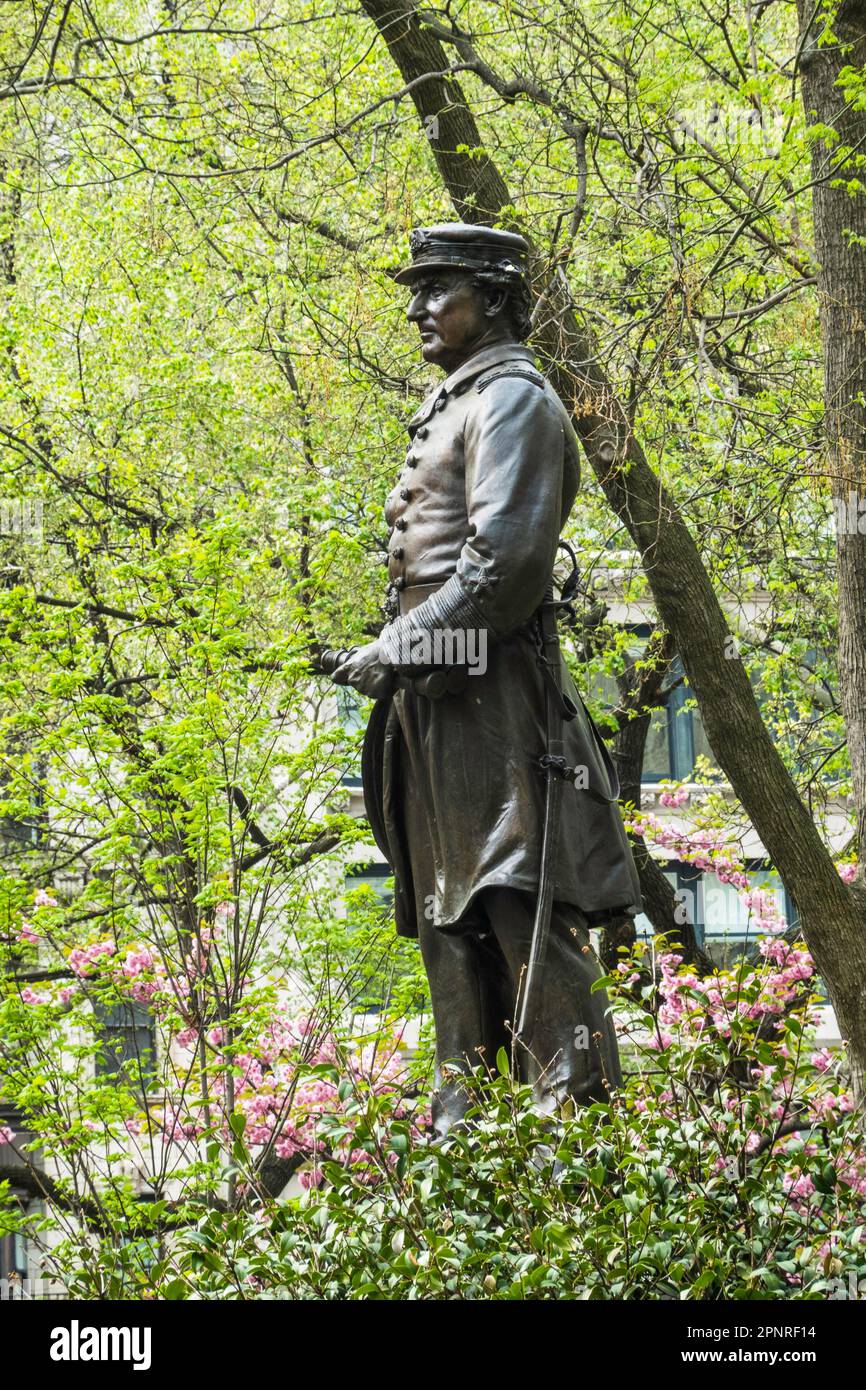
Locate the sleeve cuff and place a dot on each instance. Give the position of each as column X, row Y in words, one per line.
column 450, row 609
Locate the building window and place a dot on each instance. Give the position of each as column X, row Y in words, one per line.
column 675, row 737
column 127, row 1042
column 13, row 1256
column 375, row 876
column 26, row 831
column 351, row 714
column 722, row 922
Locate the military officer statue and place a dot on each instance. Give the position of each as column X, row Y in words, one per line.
column 453, row 767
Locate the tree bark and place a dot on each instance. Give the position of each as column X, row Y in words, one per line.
column 840, row 247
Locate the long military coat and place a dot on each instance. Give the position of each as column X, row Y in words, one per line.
column 452, row 785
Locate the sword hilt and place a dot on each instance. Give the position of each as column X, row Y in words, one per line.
column 332, row 657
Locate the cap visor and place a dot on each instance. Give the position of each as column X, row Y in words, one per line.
column 407, row 273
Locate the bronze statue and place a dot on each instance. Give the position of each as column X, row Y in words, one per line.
column 487, row 786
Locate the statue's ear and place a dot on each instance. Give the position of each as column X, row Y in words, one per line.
column 495, row 297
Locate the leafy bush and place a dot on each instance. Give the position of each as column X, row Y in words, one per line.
column 729, row 1166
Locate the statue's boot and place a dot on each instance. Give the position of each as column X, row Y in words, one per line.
column 471, row 992
column 475, row 972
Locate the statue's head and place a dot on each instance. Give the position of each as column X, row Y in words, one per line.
column 469, row 290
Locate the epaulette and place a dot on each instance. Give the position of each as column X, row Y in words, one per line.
column 520, row 369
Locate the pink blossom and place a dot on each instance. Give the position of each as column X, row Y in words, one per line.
column 144, row 990
column 137, row 960
column 311, row 1177
column 83, row 959
column 195, row 963
column 6, row 1134
column 800, row 1186
column 287, row 1146
column 677, row 796
column 175, row 1128
column 822, row 1060
column 631, row 977
column 43, row 899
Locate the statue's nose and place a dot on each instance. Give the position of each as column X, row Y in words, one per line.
column 416, row 309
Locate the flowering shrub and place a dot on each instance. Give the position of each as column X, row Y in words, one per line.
column 267, row 1077
column 729, row 1165
column 672, row 796
column 231, row 1092
column 286, row 1092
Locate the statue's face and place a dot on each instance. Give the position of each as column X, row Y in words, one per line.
column 454, row 317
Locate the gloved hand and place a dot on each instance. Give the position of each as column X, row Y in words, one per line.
column 365, row 672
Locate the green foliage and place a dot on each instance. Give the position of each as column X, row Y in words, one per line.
column 727, row 1167
column 614, row 1203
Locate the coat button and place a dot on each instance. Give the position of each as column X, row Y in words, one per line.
column 441, row 402
column 400, row 524
column 398, row 552
column 423, row 431
column 411, row 461
column 399, row 582
column 405, row 494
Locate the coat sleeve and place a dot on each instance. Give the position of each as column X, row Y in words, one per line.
column 514, row 450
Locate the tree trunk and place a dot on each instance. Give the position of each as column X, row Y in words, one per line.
column 840, row 248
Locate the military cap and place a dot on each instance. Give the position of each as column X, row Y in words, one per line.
column 463, row 246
